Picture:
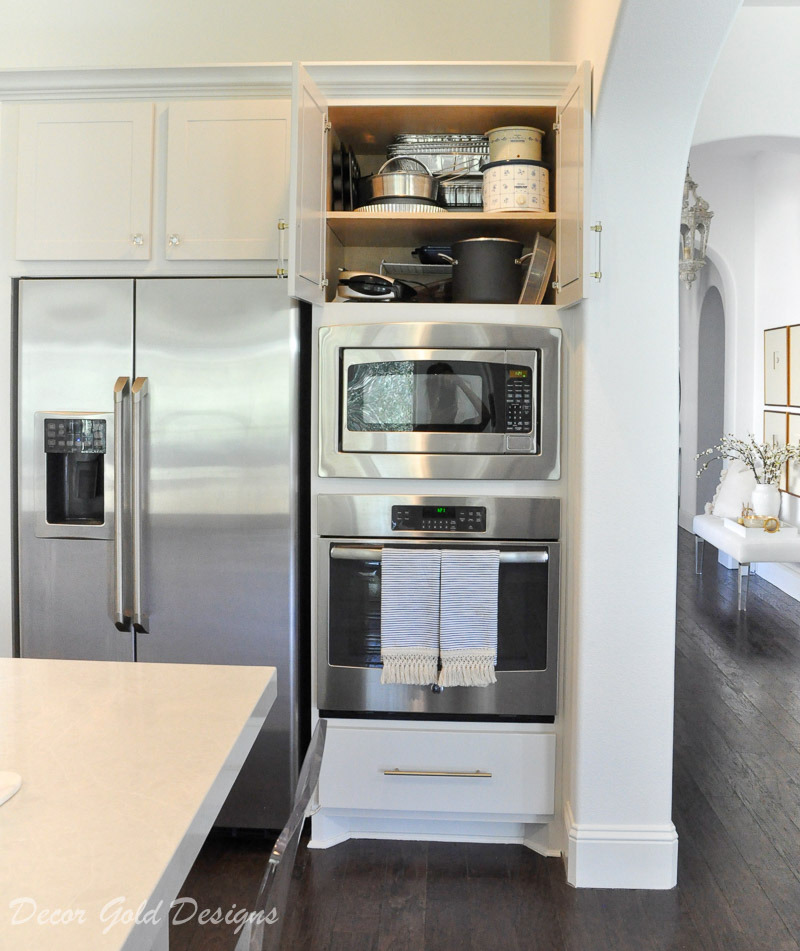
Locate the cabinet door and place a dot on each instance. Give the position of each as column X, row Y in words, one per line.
column 84, row 181
column 309, row 189
column 573, row 117
column 227, row 179
column 776, row 366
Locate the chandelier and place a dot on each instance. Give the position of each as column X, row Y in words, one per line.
column 695, row 224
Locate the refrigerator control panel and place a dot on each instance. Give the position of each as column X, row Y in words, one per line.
column 74, row 435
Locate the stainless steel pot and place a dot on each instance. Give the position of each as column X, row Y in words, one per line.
column 486, row 270
column 400, row 184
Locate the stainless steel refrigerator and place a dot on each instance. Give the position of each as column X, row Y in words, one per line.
column 157, row 488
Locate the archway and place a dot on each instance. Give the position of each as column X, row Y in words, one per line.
column 710, row 389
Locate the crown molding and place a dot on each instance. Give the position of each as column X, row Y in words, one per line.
column 247, row 80
column 347, row 82
column 342, row 82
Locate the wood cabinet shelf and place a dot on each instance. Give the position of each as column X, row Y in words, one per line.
column 397, row 229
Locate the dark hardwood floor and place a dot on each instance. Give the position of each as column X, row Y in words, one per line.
column 736, row 807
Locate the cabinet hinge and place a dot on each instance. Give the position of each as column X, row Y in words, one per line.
column 323, row 282
column 326, row 125
column 556, row 286
column 556, row 127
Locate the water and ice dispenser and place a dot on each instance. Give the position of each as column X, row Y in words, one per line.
column 74, row 485
column 75, row 477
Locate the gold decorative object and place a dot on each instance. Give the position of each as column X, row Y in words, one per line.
column 749, row 520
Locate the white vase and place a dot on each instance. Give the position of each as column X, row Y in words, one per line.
column 766, row 500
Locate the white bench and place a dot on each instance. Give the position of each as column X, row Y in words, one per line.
column 778, row 546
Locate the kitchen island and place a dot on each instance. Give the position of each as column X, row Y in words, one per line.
column 124, row 768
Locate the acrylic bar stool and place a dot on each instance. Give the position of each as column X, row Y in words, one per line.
column 264, row 934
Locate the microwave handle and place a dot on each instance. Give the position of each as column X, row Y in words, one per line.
column 351, row 553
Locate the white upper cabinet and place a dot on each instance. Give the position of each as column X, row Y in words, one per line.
column 227, row 179
column 573, row 121
column 84, row 181
column 348, row 114
column 309, row 191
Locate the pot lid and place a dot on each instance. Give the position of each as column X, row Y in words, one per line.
column 365, row 278
column 467, row 240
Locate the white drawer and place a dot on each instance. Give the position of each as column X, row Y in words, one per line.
column 356, row 761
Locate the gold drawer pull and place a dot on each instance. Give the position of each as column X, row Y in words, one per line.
column 435, row 772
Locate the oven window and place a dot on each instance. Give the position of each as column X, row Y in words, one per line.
column 355, row 615
column 421, row 396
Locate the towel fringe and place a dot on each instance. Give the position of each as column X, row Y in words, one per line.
column 467, row 669
column 409, row 667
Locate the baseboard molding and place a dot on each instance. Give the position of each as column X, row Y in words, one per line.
column 620, row 856
column 783, row 576
column 685, row 519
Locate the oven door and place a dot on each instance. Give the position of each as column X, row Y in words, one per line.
column 349, row 625
column 439, row 401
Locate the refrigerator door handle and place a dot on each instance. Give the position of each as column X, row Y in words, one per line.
column 122, row 390
column 138, row 393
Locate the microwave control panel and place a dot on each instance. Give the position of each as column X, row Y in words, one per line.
column 438, row 518
column 519, row 399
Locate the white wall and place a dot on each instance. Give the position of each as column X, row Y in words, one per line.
column 583, row 30
column 753, row 91
column 624, row 348
column 52, row 33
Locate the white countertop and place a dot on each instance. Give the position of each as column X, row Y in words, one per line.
column 124, row 768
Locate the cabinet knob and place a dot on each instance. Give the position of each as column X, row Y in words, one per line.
column 174, row 240
column 137, row 239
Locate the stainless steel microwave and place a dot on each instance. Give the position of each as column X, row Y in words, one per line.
column 440, row 401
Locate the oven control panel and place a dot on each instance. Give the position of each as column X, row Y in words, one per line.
column 438, row 518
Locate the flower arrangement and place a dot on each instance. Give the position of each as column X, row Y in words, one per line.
column 765, row 459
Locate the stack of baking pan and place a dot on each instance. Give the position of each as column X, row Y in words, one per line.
column 455, row 159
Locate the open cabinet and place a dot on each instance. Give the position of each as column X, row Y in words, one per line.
column 553, row 97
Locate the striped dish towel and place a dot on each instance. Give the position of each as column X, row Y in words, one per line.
column 468, row 620
column 410, row 615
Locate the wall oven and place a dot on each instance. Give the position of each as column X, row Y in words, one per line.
column 435, row 400
column 353, row 533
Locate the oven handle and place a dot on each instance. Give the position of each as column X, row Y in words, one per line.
column 346, row 553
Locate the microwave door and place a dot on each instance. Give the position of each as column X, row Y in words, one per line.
column 447, row 398
column 423, row 401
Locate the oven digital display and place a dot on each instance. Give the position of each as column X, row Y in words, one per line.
column 438, row 518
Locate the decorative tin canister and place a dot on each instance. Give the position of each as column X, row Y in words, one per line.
column 515, row 142
column 516, row 186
